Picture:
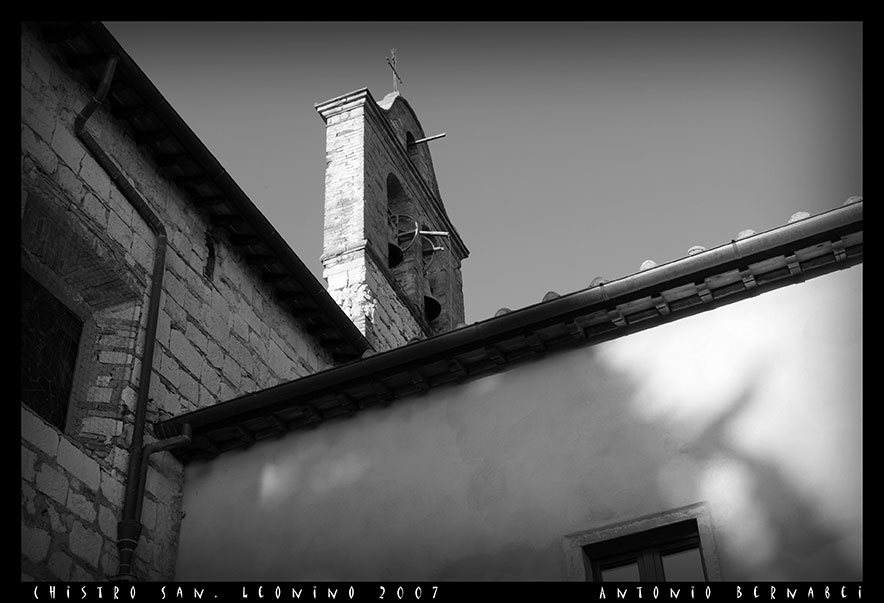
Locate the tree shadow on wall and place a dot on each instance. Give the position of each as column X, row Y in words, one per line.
column 805, row 546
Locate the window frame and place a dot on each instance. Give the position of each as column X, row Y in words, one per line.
column 83, row 365
column 644, row 539
column 71, row 324
column 647, row 549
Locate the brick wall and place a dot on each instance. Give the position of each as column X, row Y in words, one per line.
column 217, row 338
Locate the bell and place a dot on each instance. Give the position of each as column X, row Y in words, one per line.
column 432, row 307
column 395, row 255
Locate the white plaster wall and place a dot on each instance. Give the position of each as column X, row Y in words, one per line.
column 755, row 408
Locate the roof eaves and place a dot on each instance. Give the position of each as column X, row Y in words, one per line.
column 237, row 201
column 730, row 272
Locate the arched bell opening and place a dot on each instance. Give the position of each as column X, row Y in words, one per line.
column 398, row 205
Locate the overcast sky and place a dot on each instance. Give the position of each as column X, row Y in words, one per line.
column 573, row 150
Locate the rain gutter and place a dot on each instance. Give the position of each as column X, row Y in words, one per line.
column 737, row 254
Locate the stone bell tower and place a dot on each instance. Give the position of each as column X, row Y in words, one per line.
column 391, row 258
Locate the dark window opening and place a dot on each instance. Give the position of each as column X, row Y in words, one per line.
column 670, row 553
column 209, row 270
column 50, row 335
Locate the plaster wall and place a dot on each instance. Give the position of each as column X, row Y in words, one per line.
column 754, row 408
column 219, row 335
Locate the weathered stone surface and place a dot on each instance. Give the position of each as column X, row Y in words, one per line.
column 241, row 355
column 56, row 521
column 38, row 433
column 78, row 463
column 240, row 327
column 27, row 498
column 95, row 209
column 101, row 426
column 82, row 506
column 53, row 483
column 107, row 522
column 112, row 489
column 209, row 377
column 106, row 357
column 183, row 351
column 119, row 230
column 85, row 543
column 129, row 397
column 36, row 116
column 215, row 354
column 110, row 561
column 39, row 65
column 68, row 148
column 34, row 543
column 196, row 337
column 119, row 459
column 169, row 368
column 39, row 150
column 95, row 177
column 81, row 575
column 60, row 565
column 28, row 459
column 188, row 387
column 100, row 394
column 142, row 250
column 159, row 485
column 206, row 398
column 149, row 513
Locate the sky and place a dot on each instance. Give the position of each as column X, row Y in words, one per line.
column 572, row 149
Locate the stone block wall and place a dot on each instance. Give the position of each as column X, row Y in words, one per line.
column 218, row 338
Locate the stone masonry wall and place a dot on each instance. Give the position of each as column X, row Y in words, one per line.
column 356, row 283
column 217, row 338
column 382, row 159
column 352, row 231
column 401, row 116
column 365, row 152
column 445, row 271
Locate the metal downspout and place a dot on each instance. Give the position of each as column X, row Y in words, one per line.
column 129, row 527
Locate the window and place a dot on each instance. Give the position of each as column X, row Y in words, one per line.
column 668, row 553
column 209, row 269
column 677, row 545
column 50, row 334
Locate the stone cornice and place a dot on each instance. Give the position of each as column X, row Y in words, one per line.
column 345, row 102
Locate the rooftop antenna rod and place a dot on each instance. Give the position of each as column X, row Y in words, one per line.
column 391, row 61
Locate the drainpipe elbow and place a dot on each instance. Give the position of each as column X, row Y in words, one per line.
column 98, row 97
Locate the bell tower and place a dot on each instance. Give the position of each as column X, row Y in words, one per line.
column 391, row 257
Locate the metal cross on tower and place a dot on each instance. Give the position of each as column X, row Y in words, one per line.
column 391, row 61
